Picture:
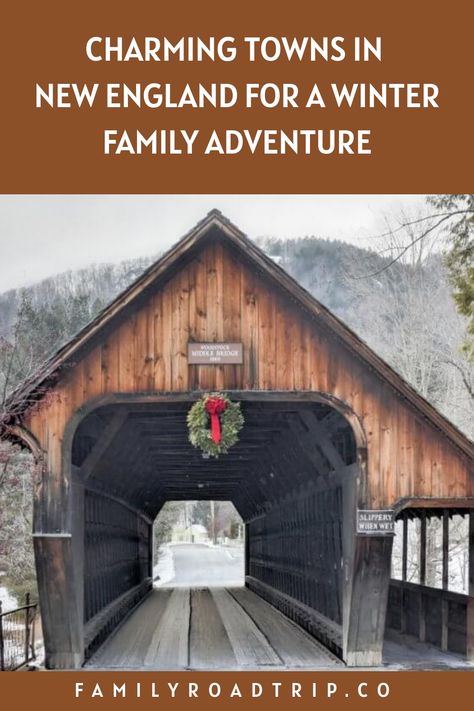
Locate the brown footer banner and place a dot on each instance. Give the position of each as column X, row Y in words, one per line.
column 225, row 690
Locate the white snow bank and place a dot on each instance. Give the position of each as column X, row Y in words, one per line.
column 9, row 602
column 163, row 571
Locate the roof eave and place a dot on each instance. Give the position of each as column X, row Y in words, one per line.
column 170, row 259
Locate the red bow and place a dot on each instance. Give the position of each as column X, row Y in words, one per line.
column 215, row 406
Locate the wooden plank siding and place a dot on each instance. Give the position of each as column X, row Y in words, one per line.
column 218, row 296
column 296, row 475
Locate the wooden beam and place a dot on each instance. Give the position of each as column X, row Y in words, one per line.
column 334, row 422
column 122, row 502
column 322, row 439
column 125, row 457
column 405, row 548
column 444, row 602
column 309, row 443
column 428, row 502
column 60, row 586
column 403, row 615
column 470, row 599
column 445, row 549
column 423, row 548
column 103, row 443
column 421, row 602
column 366, row 612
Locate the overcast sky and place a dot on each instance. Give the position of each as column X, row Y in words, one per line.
column 41, row 235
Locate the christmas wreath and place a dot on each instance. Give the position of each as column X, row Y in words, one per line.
column 214, row 423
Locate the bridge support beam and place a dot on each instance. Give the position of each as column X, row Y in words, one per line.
column 366, row 564
column 59, row 556
column 366, row 601
column 58, row 586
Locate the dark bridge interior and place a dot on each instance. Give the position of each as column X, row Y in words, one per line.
column 284, row 477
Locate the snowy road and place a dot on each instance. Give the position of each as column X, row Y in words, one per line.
column 199, row 565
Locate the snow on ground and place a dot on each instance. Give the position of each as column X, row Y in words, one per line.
column 9, row 602
column 405, row 652
column 163, row 571
column 14, row 650
column 235, row 553
column 13, row 629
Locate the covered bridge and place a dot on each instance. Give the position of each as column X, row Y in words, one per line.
column 334, row 448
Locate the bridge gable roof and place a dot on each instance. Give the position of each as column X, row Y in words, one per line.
column 216, row 226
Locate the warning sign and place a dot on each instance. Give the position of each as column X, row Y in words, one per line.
column 380, row 523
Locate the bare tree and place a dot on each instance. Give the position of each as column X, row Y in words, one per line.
column 407, row 314
column 458, row 558
column 449, row 216
column 16, row 550
column 17, row 467
column 450, row 219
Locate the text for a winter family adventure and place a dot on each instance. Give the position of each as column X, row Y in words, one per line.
column 307, row 92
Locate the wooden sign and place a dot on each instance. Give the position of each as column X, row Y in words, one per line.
column 215, row 353
column 379, row 523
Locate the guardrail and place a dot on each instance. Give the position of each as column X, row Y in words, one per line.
column 17, row 635
column 432, row 615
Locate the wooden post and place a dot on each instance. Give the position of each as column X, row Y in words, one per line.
column 27, row 626
column 368, row 605
column 470, row 599
column 367, row 564
column 421, row 602
column 445, row 581
column 403, row 617
column 423, row 548
column 213, row 520
column 33, row 633
column 59, row 588
column 405, row 548
column 445, row 549
column 59, row 555
column 2, row 653
column 247, row 548
column 151, row 545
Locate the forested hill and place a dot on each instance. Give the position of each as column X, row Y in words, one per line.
column 319, row 265
column 74, row 294
column 405, row 313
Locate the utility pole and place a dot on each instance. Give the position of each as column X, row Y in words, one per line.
column 187, row 523
column 213, row 522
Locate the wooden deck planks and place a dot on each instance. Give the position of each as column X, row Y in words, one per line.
column 209, row 629
column 130, row 643
column 169, row 644
column 295, row 647
column 210, row 646
column 251, row 648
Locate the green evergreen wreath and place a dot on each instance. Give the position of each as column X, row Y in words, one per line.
column 231, row 421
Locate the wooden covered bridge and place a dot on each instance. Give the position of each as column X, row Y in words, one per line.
column 334, row 448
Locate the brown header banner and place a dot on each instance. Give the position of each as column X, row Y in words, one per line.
column 256, row 97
